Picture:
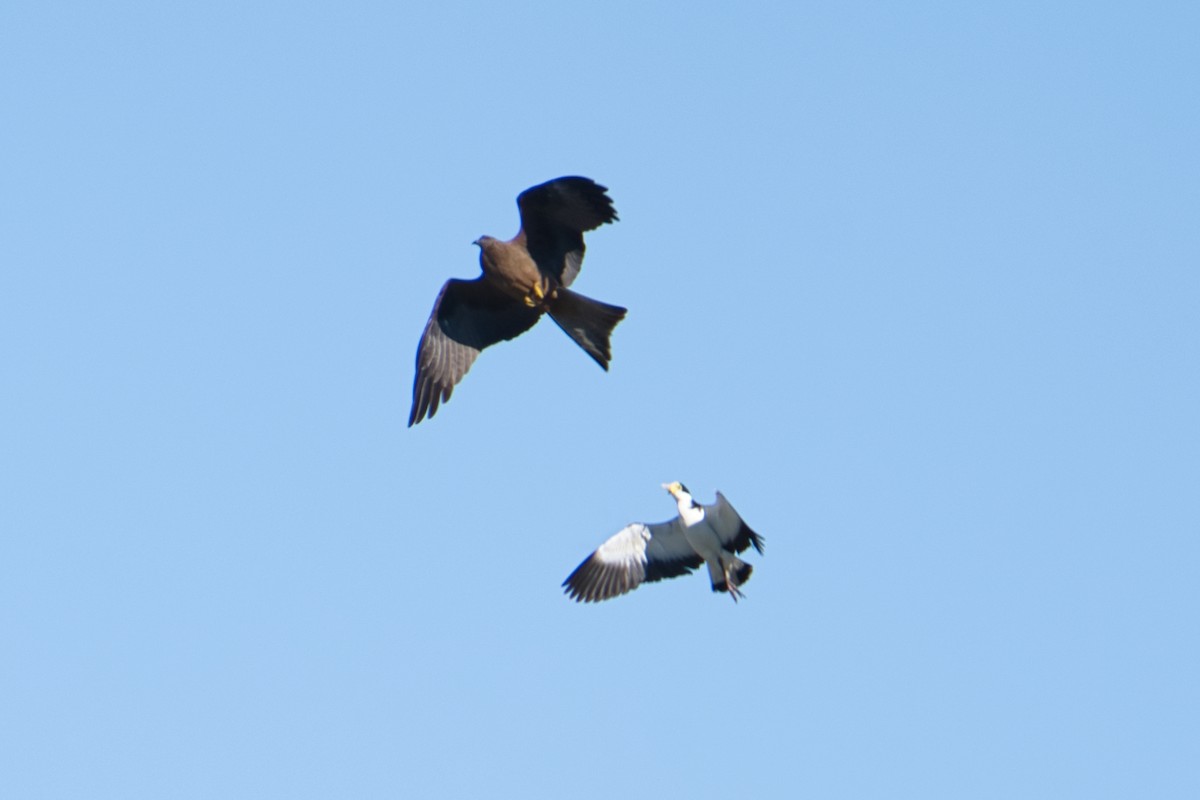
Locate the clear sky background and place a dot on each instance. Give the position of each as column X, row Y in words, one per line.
column 915, row 285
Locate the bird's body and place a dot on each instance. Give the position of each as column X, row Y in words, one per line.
column 511, row 269
column 707, row 543
column 712, row 535
column 522, row 279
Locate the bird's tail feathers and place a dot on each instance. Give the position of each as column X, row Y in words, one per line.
column 730, row 564
column 589, row 322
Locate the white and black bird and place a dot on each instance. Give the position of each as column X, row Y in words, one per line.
column 640, row 553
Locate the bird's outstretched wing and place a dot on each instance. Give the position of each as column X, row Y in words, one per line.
column 554, row 217
column 735, row 534
column 637, row 554
column 467, row 317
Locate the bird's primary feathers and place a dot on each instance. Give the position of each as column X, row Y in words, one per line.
column 522, row 279
column 640, row 553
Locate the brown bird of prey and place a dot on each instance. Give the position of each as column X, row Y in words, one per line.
column 522, row 279
column 640, row 553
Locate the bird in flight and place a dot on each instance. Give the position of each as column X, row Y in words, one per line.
column 522, row 278
column 639, row 553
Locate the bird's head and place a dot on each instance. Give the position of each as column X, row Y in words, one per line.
column 486, row 254
column 676, row 489
column 687, row 504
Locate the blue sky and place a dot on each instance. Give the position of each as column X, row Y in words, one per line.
column 914, row 285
